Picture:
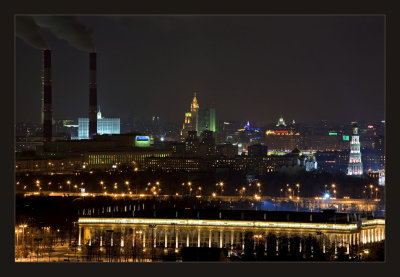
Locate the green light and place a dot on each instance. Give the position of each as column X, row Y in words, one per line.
column 346, row 138
column 142, row 141
column 332, row 134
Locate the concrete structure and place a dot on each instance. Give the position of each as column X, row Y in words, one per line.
column 47, row 109
column 227, row 229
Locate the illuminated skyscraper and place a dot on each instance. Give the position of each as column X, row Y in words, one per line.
column 205, row 120
column 355, row 167
column 190, row 118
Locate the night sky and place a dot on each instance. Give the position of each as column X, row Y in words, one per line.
column 253, row 68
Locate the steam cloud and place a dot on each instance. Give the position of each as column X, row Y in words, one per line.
column 28, row 30
column 68, row 28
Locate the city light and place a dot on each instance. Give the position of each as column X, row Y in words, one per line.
column 237, row 184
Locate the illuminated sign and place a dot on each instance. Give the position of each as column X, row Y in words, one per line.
column 370, row 126
column 142, row 141
column 142, row 138
column 281, row 131
column 346, row 138
column 332, row 134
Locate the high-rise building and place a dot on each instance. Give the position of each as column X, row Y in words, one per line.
column 355, row 167
column 191, row 143
column 283, row 137
column 205, row 120
column 190, row 118
column 258, row 150
column 105, row 126
column 379, row 146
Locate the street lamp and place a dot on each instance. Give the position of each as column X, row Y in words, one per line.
column 243, row 191
column 221, row 184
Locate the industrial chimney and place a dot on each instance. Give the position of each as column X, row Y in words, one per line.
column 47, row 110
column 92, row 96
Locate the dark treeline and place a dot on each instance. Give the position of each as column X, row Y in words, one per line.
column 311, row 183
column 61, row 212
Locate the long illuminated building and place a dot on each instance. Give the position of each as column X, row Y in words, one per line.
column 183, row 230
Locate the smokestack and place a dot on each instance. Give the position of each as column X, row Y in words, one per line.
column 92, row 96
column 47, row 110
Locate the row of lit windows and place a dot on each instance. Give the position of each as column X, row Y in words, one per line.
column 121, row 158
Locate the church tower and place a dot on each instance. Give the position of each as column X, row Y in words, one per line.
column 355, row 167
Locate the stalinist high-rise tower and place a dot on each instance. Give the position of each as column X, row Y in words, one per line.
column 355, row 167
column 190, row 118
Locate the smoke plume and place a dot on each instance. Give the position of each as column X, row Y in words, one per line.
column 68, row 28
column 28, row 30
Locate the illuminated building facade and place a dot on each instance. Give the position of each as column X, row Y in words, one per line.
column 333, row 161
column 171, row 164
column 191, row 144
column 226, row 150
column 282, row 138
column 190, row 118
column 177, row 229
column 115, row 159
column 355, row 167
column 104, row 152
column 331, row 141
column 379, row 147
column 107, row 126
column 246, row 136
column 207, row 145
column 205, row 120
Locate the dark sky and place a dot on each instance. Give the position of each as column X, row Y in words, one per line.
column 252, row 67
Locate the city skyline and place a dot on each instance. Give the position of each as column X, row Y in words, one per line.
column 157, row 69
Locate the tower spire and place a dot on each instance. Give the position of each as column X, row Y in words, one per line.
column 355, row 166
